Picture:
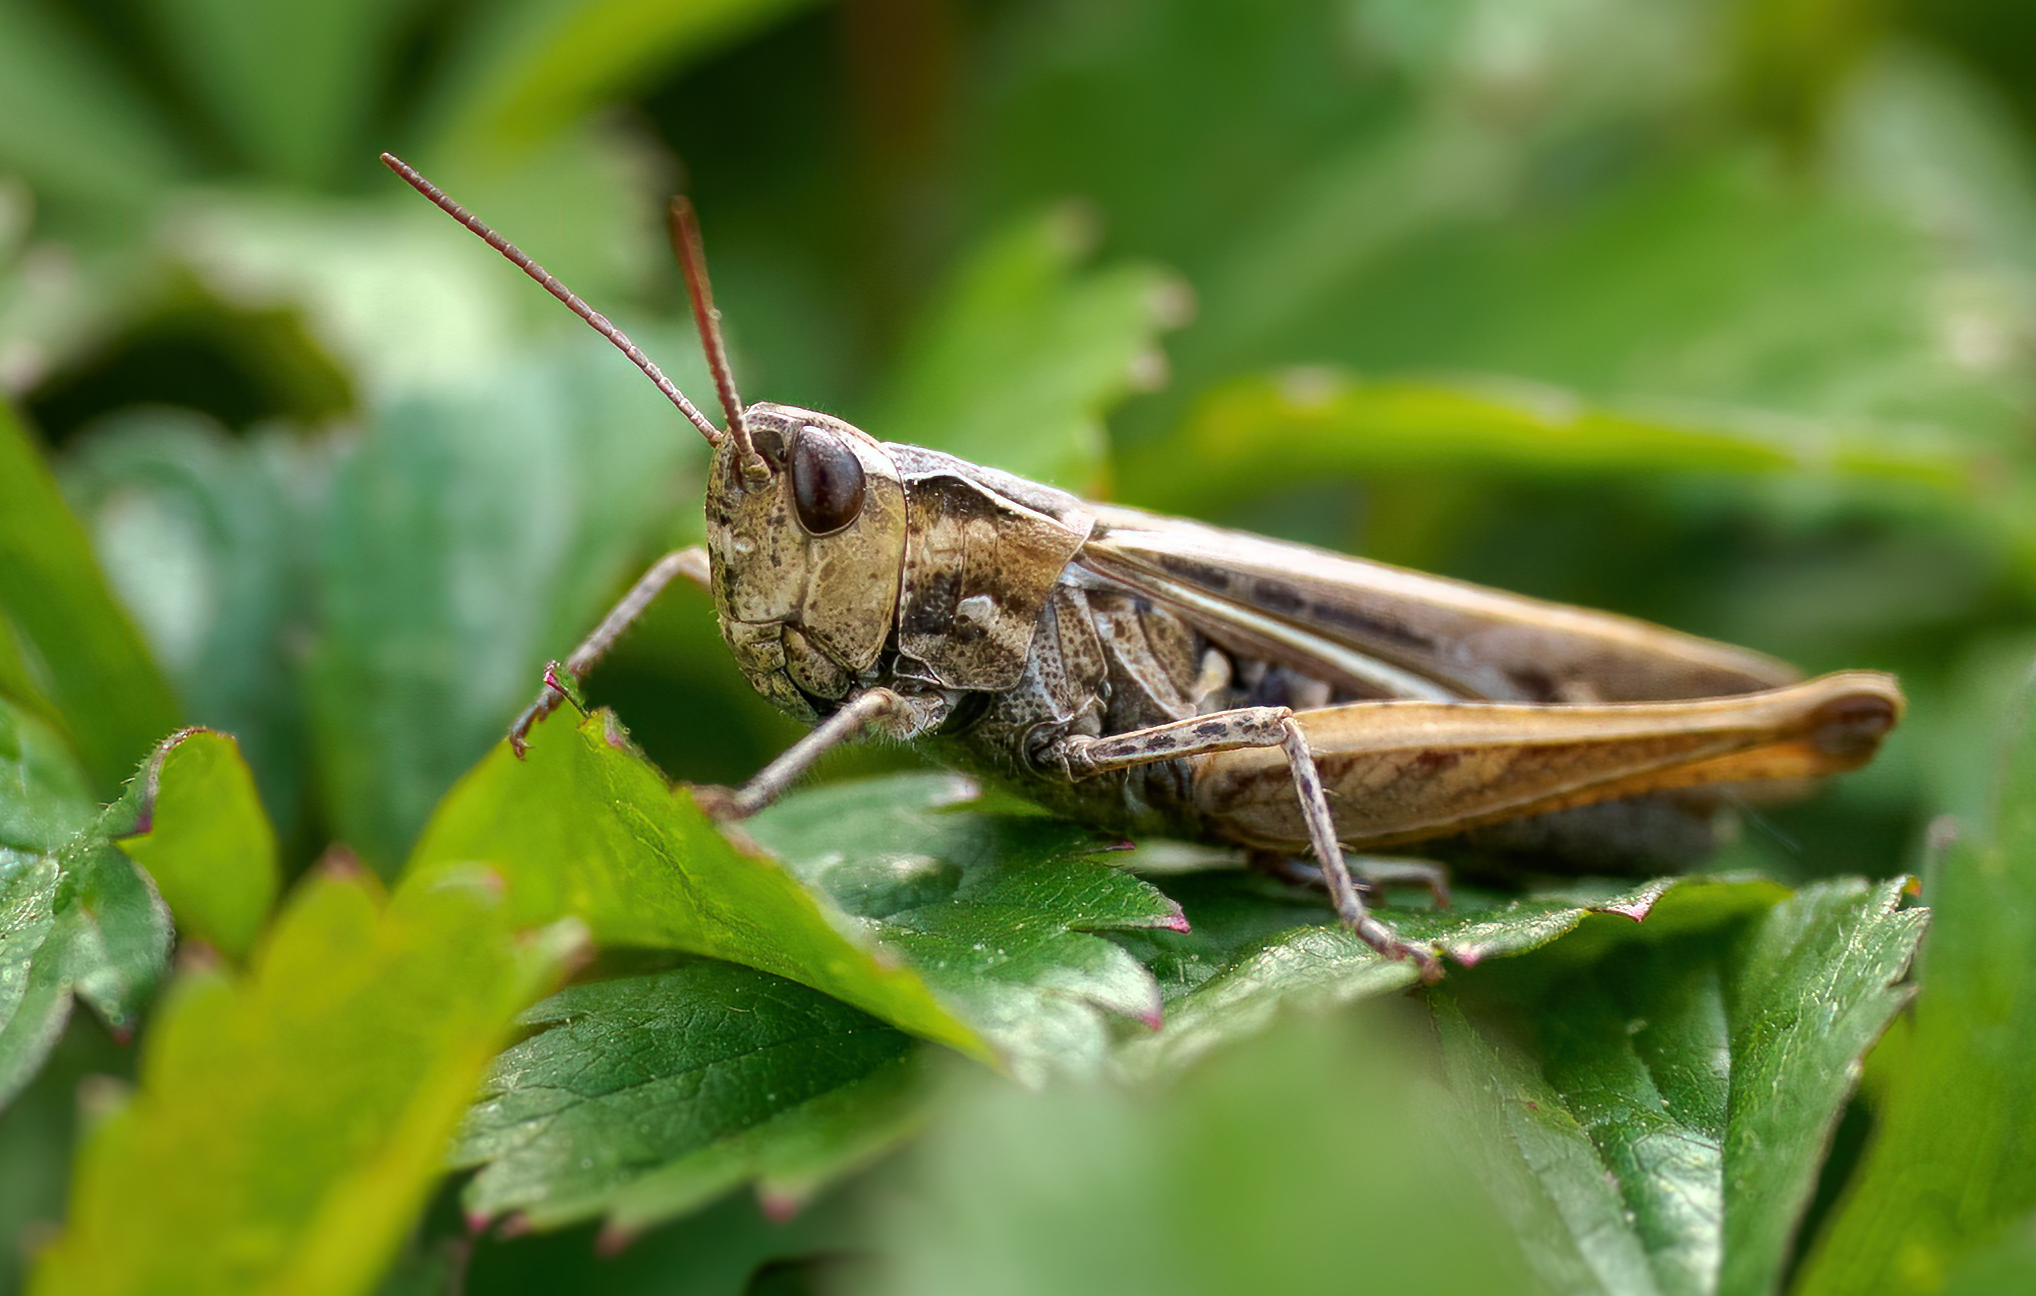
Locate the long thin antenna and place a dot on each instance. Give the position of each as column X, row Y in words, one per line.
column 685, row 228
column 572, row 300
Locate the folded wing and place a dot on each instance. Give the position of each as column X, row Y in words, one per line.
column 1377, row 631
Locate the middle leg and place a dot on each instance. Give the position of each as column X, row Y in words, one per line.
column 1084, row 756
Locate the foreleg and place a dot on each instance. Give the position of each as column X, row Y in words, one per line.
column 690, row 563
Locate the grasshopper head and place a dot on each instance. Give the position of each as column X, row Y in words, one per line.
column 807, row 549
column 805, row 514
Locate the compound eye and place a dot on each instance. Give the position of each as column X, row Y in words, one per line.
column 827, row 482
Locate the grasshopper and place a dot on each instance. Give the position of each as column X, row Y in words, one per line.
column 1151, row 675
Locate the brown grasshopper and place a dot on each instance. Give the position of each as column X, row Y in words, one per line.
column 1158, row 676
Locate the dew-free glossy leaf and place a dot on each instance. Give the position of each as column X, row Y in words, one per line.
column 205, row 841
column 1696, row 1077
column 1810, row 991
column 1540, row 1165
column 643, row 1097
column 1003, row 914
column 288, row 1123
column 586, row 828
column 1257, row 948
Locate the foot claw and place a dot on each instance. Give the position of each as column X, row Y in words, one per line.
column 559, row 686
column 716, row 802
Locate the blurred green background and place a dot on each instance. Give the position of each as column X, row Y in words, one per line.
column 1715, row 312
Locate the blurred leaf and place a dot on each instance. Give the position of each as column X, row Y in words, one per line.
column 70, row 119
column 1015, row 366
column 1998, row 1270
column 467, row 541
column 1259, row 948
column 38, row 1131
column 1660, row 1124
column 722, row 1250
column 1950, row 1163
column 207, row 539
column 529, row 69
column 90, row 661
column 1707, row 279
column 1001, row 913
column 586, row 828
column 644, row 1097
column 289, row 85
column 204, row 840
column 353, row 1044
column 1793, row 56
column 1317, row 1160
column 1919, row 136
column 1323, row 421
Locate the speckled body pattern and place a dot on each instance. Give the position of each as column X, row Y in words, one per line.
column 1153, row 675
column 1021, row 625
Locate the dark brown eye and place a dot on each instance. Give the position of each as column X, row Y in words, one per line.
column 827, row 482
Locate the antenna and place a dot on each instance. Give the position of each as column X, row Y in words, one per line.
column 573, row 303
column 685, row 230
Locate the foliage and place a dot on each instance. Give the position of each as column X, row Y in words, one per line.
column 1717, row 314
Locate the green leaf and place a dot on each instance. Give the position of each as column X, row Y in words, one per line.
column 112, row 936
column 92, row 665
column 204, row 840
column 530, row 69
column 468, row 540
column 69, row 119
column 1316, row 1160
column 290, row 86
column 1016, row 364
column 587, row 828
column 1257, row 947
column 207, row 539
column 644, row 1097
column 2007, row 1266
column 729, row 1248
column 1810, row 991
column 43, row 802
column 353, row 1044
column 1539, row 1163
column 1327, row 421
column 76, row 918
column 999, row 912
column 44, row 797
column 1657, row 1119
column 34, row 1005
column 1951, row 1163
